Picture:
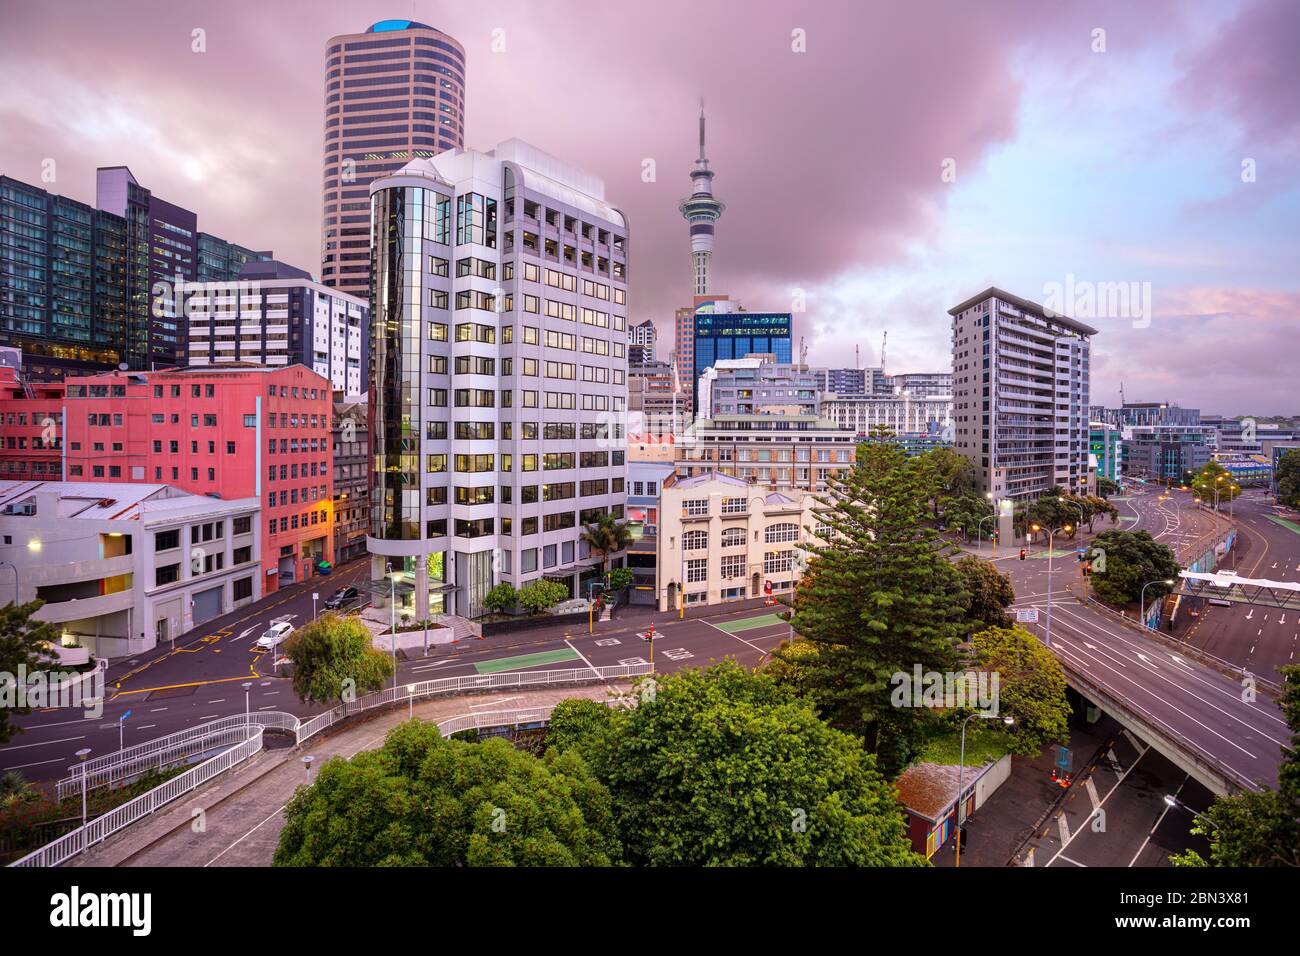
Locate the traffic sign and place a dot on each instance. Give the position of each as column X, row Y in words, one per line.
column 1026, row 615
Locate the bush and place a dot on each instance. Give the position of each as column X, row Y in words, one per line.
column 620, row 578
column 542, row 594
column 501, row 598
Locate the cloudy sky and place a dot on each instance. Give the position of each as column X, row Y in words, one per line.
column 887, row 159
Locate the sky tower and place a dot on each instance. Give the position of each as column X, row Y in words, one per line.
column 701, row 210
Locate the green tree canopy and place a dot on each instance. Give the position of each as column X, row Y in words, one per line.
column 1106, row 487
column 1215, row 478
column 334, row 659
column 502, row 597
column 1123, row 561
column 876, row 599
column 421, row 800
column 1031, row 686
column 24, row 643
column 972, row 515
column 605, row 536
column 541, row 594
column 1259, row 829
column 724, row 767
column 1288, row 479
column 954, row 476
column 988, row 594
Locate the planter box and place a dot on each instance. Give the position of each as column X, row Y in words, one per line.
column 528, row 622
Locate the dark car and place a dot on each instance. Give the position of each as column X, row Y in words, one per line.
column 341, row 598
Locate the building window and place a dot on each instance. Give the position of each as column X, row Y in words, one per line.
column 697, row 570
column 733, row 566
column 695, row 541
column 779, row 533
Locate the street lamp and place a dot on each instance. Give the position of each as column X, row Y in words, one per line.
column 410, row 702
column 306, row 762
column 1142, row 600
column 1051, row 535
column 392, row 608
column 961, row 770
column 82, row 754
column 979, row 528
column 247, row 710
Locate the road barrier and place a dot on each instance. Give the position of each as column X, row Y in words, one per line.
column 242, row 735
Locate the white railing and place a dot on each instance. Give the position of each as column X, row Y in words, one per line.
column 234, row 730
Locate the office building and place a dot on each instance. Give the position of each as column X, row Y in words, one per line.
column 724, row 331
column 392, row 94
column 1146, row 413
column 918, row 384
column 862, row 414
column 701, row 210
column 643, row 335
column 31, row 428
column 498, row 374
column 1105, row 444
column 1165, row 453
column 277, row 315
column 790, row 452
column 125, row 567
column 350, row 435
column 724, row 539
column 228, row 433
column 85, row 288
column 845, row 381
column 1020, row 394
column 219, row 260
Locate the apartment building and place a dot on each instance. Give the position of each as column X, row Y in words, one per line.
column 721, row 538
column 918, row 384
column 900, row 414
column 499, row 374
column 758, row 385
column 1105, row 444
column 787, row 452
column 277, row 315
column 123, row 567
column 644, row 336
column 228, row 433
column 1020, row 394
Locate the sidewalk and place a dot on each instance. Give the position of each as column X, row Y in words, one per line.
column 241, row 812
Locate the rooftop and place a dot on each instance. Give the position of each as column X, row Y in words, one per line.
column 993, row 292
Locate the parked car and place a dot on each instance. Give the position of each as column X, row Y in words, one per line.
column 274, row 635
column 342, row 598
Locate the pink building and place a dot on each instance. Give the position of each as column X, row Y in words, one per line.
column 31, row 428
column 229, row 432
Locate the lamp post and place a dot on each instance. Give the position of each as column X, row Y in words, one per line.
column 961, row 770
column 82, row 754
column 306, row 762
column 1142, row 600
column 1173, row 801
column 979, row 528
column 1051, row 535
column 392, row 610
column 410, row 702
column 248, row 719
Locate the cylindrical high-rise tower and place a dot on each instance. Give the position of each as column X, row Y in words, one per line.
column 701, row 210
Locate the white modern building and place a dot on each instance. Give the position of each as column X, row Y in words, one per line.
column 784, row 452
column 124, row 567
column 901, row 414
column 724, row 539
column 499, row 374
column 643, row 334
column 278, row 315
column 1021, row 395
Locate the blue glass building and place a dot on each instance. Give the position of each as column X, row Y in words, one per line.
column 733, row 335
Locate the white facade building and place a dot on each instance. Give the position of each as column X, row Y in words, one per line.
column 499, row 358
column 123, row 567
column 901, row 414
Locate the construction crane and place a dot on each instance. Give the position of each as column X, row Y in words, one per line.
column 803, row 351
column 883, row 339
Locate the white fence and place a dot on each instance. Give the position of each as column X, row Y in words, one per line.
column 243, row 735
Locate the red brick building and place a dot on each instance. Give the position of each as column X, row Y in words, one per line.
column 230, row 432
column 31, row 428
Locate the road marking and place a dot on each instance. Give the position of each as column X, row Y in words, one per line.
column 156, row 709
column 628, row 661
column 38, row 763
column 1118, row 783
column 584, row 659
column 146, row 726
column 1063, row 829
column 1075, row 862
column 1160, row 819
column 1092, row 792
column 219, row 700
column 44, row 743
column 210, row 717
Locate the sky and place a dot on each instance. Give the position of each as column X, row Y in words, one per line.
column 880, row 161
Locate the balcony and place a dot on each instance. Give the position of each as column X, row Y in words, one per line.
column 83, row 608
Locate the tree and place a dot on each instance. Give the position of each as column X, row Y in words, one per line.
column 1288, row 479
column 24, row 647
column 1055, row 512
column 619, row 578
column 605, row 536
column 1123, row 561
column 1214, row 480
column 1106, row 487
column 724, row 767
column 1094, row 506
column 876, row 599
column 989, row 593
column 1259, row 829
column 334, row 659
column 421, row 800
column 541, row 594
column 1031, row 686
column 969, row 514
column 954, row 476
column 501, row 598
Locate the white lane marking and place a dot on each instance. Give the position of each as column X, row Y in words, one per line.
column 36, row 764
column 1159, row 820
column 1063, row 829
column 210, row 717
column 44, row 743
column 1118, row 783
column 156, row 709
column 1092, row 793
column 569, row 644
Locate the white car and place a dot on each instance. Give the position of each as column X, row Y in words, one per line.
column 274, row 635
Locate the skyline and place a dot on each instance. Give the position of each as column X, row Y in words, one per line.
column 1018, row 91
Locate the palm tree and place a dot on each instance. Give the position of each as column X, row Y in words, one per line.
column 606, row 535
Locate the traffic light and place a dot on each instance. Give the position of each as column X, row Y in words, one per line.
column 995, row 534
column 1087, row 569
column 1022, row 554
column 649, row 636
